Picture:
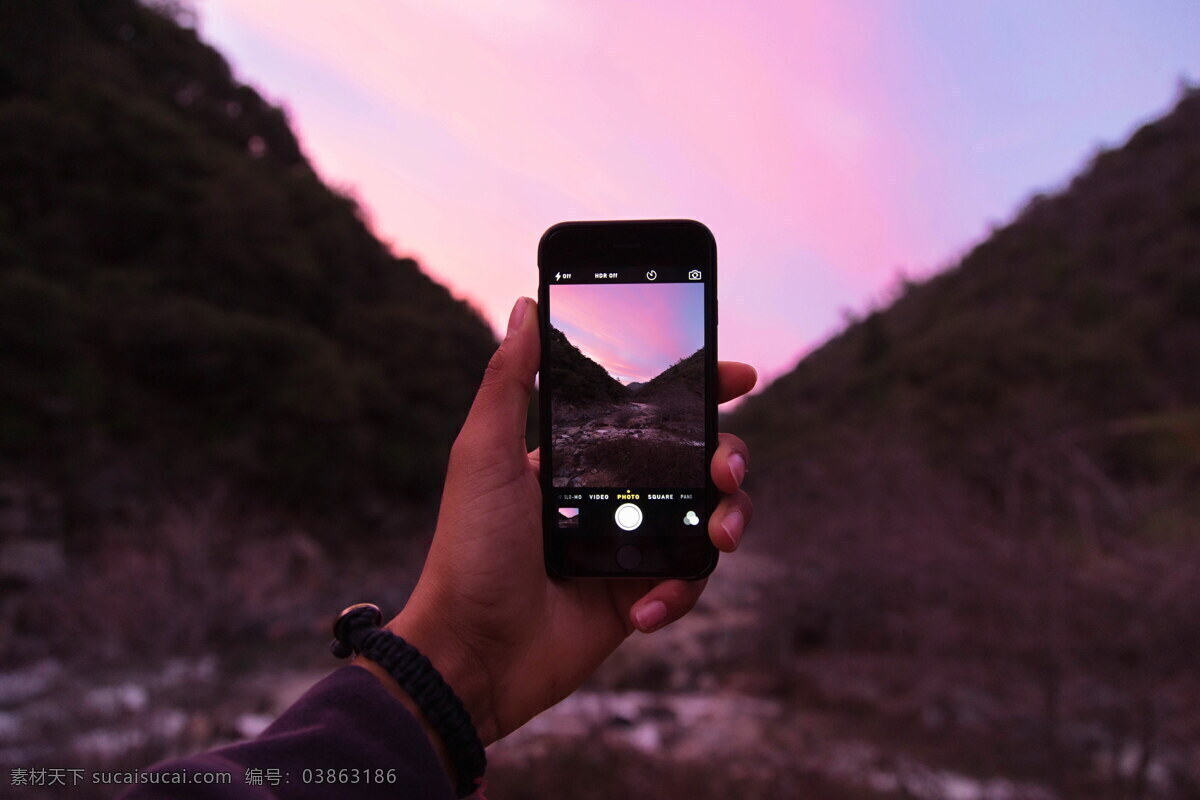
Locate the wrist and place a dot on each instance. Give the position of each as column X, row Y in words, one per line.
column 462, row 671
column 394, row 656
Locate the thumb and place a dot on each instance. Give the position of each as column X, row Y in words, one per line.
column 497, row 417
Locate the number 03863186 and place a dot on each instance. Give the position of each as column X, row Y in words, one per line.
column 348, row 776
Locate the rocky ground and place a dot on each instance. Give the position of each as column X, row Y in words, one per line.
column 54, row 717
column 716, row 705
column 590, row 446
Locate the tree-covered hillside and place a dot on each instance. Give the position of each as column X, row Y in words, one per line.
column 1078, row 321
column 686, row 373
column 181, row 297
column 988, row 494
column 577, row 379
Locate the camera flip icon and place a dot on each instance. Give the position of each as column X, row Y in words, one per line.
column 694, row 275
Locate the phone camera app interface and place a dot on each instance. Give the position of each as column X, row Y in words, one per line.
column 626, row 373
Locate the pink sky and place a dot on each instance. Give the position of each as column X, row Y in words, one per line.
column 634, row 331
column 828, row 144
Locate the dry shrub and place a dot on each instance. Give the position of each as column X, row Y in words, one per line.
column 202, row 579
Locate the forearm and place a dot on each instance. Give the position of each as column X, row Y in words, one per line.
column 346, row 726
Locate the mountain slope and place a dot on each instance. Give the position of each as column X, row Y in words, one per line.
column 988, row 494
column 577, row 379
column 1081, row 315
column 686, row 373
column 181, row 297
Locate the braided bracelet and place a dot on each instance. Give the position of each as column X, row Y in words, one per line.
column 357, row 631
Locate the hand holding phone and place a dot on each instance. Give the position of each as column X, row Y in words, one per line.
column 510, row 640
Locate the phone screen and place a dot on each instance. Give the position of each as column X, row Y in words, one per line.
column 626, row 376
column 628, row 372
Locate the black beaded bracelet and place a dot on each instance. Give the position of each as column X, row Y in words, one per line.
column 357, row 631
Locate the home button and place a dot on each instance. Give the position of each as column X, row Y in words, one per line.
column 629, row 557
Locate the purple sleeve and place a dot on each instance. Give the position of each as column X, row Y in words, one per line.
column 347, row 721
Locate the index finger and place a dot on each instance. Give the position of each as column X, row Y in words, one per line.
column 734, row 379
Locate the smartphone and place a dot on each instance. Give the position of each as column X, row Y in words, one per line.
column 627, row 398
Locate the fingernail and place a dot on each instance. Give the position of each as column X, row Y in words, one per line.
column 737, row 465
column 650, row 616
column 517, row 316
column 733, row 524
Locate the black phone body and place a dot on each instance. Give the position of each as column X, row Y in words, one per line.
column 627, row 398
